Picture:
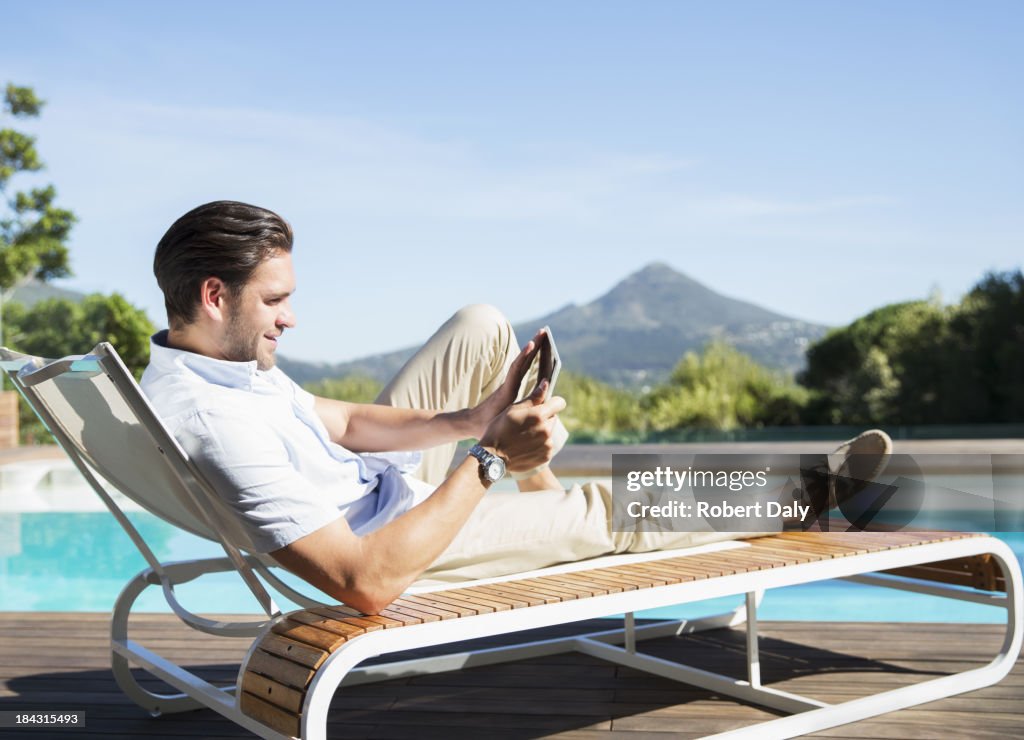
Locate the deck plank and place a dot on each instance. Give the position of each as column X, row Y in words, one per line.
column 568, row 696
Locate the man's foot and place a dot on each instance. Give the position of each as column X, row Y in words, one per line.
column 852, row 466
column 856, row 463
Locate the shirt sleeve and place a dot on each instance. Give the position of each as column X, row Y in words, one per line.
column 248, row 465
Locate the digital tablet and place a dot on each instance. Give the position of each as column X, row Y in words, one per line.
column 548, row 361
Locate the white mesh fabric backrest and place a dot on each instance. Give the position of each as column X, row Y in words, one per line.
column 109, row 435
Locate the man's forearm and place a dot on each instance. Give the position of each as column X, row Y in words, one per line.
column 369, row 572
column 375, row 428
column 395, row 555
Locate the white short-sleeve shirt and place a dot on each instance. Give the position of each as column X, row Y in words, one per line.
column 257, row 438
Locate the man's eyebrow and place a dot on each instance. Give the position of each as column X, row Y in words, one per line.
column 279, row 294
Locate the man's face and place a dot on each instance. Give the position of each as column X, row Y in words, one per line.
column 260, row 313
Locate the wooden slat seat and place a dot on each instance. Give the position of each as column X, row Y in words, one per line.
column 975, row 571
column 289, row 654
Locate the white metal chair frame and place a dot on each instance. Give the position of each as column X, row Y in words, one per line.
column 809, row 715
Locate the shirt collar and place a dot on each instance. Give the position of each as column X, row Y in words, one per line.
column 166, row 359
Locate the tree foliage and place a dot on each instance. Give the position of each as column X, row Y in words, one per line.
column 987, row 349
column 723, row 388
column 922, row 363
column 59, row 327
column 859, row 372
column 33, row 230
column 596, row 411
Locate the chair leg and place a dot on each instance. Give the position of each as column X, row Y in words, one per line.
column 154, row 703
column 753, row 657
column 629, row 632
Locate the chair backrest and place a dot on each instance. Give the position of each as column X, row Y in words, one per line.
column 99, row 415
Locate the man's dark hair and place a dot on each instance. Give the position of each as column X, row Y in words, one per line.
column 224, row 239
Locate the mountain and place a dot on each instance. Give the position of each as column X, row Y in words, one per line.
column 635, row 333
column 382, row 367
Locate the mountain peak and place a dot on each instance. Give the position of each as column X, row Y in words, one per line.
column 657, row 284
column 654, row 268
column 654, row 315
column 661, row 273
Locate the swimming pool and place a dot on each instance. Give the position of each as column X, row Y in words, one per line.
column 77, row 558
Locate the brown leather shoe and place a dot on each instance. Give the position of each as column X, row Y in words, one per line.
column 828, row 481
column 856, row 463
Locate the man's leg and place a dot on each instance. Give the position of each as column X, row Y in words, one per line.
column 511, row 533
column 461, row 364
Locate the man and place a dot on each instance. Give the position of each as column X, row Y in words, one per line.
column 316, row 482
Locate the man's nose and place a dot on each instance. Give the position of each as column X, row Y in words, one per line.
column 286, row 318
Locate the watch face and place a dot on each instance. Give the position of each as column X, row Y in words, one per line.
column 495, row 470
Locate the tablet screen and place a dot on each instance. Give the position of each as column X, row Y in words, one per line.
column 548, row 361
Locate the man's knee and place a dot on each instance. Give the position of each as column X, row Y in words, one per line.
column 482, row 321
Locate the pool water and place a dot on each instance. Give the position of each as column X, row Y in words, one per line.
column 79, row 561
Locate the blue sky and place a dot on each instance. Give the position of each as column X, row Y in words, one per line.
column 817, row 158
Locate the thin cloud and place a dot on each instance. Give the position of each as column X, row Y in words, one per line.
column 353, row 164
column 370, row 169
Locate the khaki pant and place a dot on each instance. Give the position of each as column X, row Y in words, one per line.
column 466, row 360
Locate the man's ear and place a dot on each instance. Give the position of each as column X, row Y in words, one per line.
column 213, row 297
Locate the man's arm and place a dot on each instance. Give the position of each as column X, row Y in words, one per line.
column 371, row 571
column 367, row 427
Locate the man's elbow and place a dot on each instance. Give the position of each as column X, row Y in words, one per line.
column 368, row 598
column 369, row 602
column 341, row 565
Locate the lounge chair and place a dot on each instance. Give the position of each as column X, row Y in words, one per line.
column 297, row 660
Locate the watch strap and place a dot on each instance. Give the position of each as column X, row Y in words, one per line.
column 486, row 458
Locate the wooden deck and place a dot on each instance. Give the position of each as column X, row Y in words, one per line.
column 60, row 661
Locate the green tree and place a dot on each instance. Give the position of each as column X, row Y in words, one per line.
column 723, row 389
column 987, row 346
column 59, row 327
column 886, row 367
column 33, row 231
column 922, row 363
column 597, row 411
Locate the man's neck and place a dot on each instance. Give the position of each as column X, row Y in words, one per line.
column 190, row 341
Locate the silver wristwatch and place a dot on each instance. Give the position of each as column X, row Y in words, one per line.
column 492, row 467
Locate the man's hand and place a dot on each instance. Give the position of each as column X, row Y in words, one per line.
column 522, row 432
column 505, row 396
